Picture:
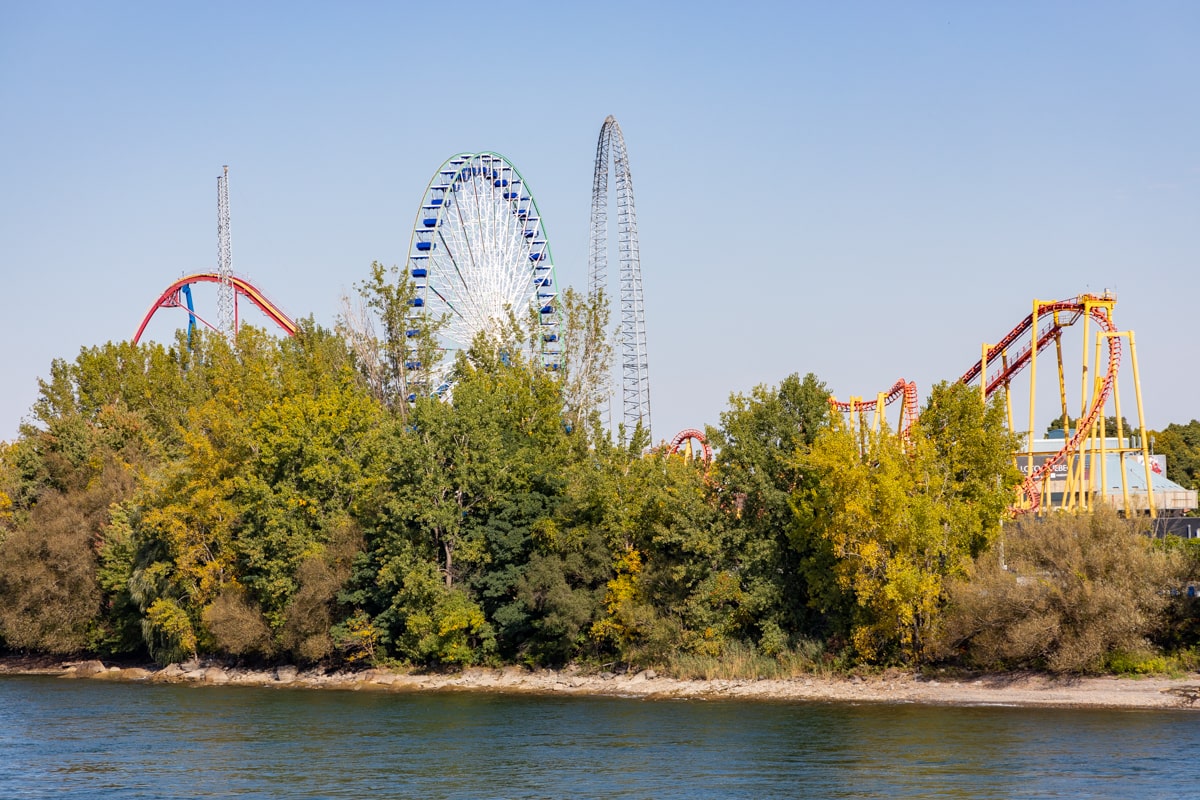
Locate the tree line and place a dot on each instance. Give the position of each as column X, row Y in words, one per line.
column 305, row 499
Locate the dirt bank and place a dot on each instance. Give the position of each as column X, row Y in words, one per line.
column 893, row 687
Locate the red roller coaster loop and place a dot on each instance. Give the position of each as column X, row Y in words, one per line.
column 694, row 435
column 1096, row 307
column 170, row 298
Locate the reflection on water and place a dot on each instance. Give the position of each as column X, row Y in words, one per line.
column 63, row 738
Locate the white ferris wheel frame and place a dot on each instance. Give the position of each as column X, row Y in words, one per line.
column 479, row 252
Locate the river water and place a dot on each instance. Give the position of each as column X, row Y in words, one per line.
column 87, row 739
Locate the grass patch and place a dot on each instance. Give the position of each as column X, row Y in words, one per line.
column 739, row 661
column 1147, row 662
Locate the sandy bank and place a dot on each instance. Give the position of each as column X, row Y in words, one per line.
column 894, row 687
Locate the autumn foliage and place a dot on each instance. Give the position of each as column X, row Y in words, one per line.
column 296, row 500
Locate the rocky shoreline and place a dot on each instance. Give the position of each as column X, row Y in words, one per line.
column 891, row 687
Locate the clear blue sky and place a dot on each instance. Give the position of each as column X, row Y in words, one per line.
column 861, row 190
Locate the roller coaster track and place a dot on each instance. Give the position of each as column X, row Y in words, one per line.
column 901, row 388
column 1062, row 314
column 691, row 434
column 635, row 385
column 171, row 298
column 1096, row 307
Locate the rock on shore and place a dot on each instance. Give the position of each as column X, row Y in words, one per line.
column 890, row 687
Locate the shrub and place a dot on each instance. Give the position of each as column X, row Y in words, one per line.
column 311, row 613
column 49, row 596
column 741, row 661
column 168, row 631
column 237, row 625
column 1072, row 591
column 1142, row 662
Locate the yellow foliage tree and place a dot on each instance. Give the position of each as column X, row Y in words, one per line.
column 904, row 515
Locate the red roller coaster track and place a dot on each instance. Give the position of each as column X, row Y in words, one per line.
column 901, row 388
column 170, row 299
column 1062, row 314
column 677, row 443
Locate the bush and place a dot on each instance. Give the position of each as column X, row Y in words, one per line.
column 311, row 613
column 168, row 631
column 1180, row 632
column 1073, row 591
column 1143, row 662
column 49, row 596
column 237, row 625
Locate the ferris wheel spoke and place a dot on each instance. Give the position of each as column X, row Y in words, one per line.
column 461, row 223
column 454, row 262
column 449, row 305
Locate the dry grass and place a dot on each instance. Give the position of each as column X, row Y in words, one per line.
column 738, row 661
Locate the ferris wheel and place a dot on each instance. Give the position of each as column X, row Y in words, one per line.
column 479, row 252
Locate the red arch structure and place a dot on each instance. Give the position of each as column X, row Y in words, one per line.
column 170, row 298
column 683, row 436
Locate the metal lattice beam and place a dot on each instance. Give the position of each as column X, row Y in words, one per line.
column 635, row 384
column 226, row 297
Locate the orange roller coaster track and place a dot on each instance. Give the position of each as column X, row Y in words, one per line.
column 173, row 297
column 996, row 369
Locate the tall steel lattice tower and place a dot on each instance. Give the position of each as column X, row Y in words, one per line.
column 635, row 384
column 226, row 299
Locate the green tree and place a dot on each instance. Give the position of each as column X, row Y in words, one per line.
column 783, row 571
column 1110, row 423
column 902, row 516
column 396, row 360
column 301, row 483
column 1181, row 445
column 971, row 457
column 269, row 473
column 466, row 481
column 9, row 486
column 50, row 596
column 560, row 593
column 89, row 444
column 586, row 355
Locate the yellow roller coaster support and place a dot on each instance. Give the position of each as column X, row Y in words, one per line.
column 1142, row 443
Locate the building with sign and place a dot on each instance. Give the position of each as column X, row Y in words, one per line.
column 1111, row 470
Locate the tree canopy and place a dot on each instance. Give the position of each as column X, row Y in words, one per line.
column 307, row 499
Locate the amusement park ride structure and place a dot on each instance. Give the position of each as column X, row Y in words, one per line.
column 692, row 445
column 1073, row 473
column 479, row 250
column 229, row 286
column 226, row 296
column 635, row 369
column 179, row 295
column 478, row 253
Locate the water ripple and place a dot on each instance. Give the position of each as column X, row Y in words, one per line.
column 78, row 739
